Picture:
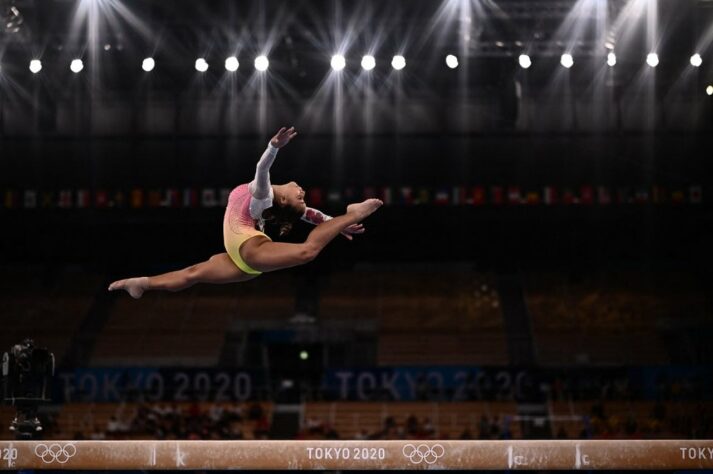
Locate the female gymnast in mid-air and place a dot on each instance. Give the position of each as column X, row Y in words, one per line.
column 248, row 250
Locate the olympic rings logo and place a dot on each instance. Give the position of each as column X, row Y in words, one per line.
column 423, row 453
column 55, row 452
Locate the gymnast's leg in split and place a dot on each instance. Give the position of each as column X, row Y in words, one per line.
column 260, row 253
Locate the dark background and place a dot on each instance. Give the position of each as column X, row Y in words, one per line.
column 489, row 123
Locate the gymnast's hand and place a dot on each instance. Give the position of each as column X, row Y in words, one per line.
column 353, row 229
column 283, row 137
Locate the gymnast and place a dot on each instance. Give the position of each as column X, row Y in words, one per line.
column 249, row 251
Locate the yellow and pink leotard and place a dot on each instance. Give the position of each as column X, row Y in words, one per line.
column 246, row 203
column 243, row 215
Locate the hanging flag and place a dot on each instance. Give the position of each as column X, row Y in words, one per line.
column 65, row 199
column 334, row 196
column 586, row 195
column 549, row 195
column 406, row 194
column 9, row 199
column 154, row 198
column 208, row 198
column 678, row 197
column 424, row 196
column 695, row 194
column 350, row 194
column 441, row 197
column 224, row 194
column 137, row 198
column 459, row 195
column 170, row 197
column 478, row 198
column 568, row 197
column 119, row 200
column 514, row 196
column 386, row 195
column 190, row 198
column 48, row 200
column 30, row 200
column 496, row 195
column 314, row 197
column 659, row 195
column 622, row 196
column 532, row 198
column 369, row 192
column 642, row 196
column 83, row 199
column 101, row 199
column 603, row 195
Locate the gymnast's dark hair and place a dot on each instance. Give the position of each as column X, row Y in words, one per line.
column 281, row 217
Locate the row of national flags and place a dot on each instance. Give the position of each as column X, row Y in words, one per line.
column 405, row 195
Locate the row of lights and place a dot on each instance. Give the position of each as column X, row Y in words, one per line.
column 368, row 62
column 566, row 60
column 261, row 63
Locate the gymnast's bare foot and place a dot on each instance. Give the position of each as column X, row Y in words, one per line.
column 134, row 286
column 364, row 209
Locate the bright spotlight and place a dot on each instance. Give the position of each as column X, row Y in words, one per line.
column 652, row 59
column 148, row 64
column 201, row 65
column 76, row 65
column 262, row 63
column 709, row 90
column 338, row 62
column 696, row 60
column 35, row 66
column 567, row 60
column 524, row 61
column 398, row 62
column 451, row 61
column 368, row 62
column 611, row 59
column 232, row 64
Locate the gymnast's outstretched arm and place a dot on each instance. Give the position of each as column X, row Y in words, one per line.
column 260, row 187
column 316, row 217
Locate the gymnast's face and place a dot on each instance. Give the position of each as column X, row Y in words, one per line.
column 295, row 196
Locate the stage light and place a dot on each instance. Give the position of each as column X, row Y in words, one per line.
column 368, row 62
column 451, row 61
column 696, row 60
column 232, row 64
column 148, row 64
column 304, row 355
column 567, row 60
column 262, row 63
column 524, row 61
column 398, row 62
column 611, row 59
column 709, row 90
column 35, row 66
column 652, row 59
column 201, row 65
column 76, row 66
column 338, row 62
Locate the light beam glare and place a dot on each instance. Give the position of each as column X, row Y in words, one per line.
column 35, row 66
column 262, row 63
column 524, row 61
column 148, row 64
column 368, row 62
column 338, row 62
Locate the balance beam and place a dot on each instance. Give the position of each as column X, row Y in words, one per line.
column 339, row 455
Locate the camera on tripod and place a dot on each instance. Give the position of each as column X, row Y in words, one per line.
column 26, row 377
